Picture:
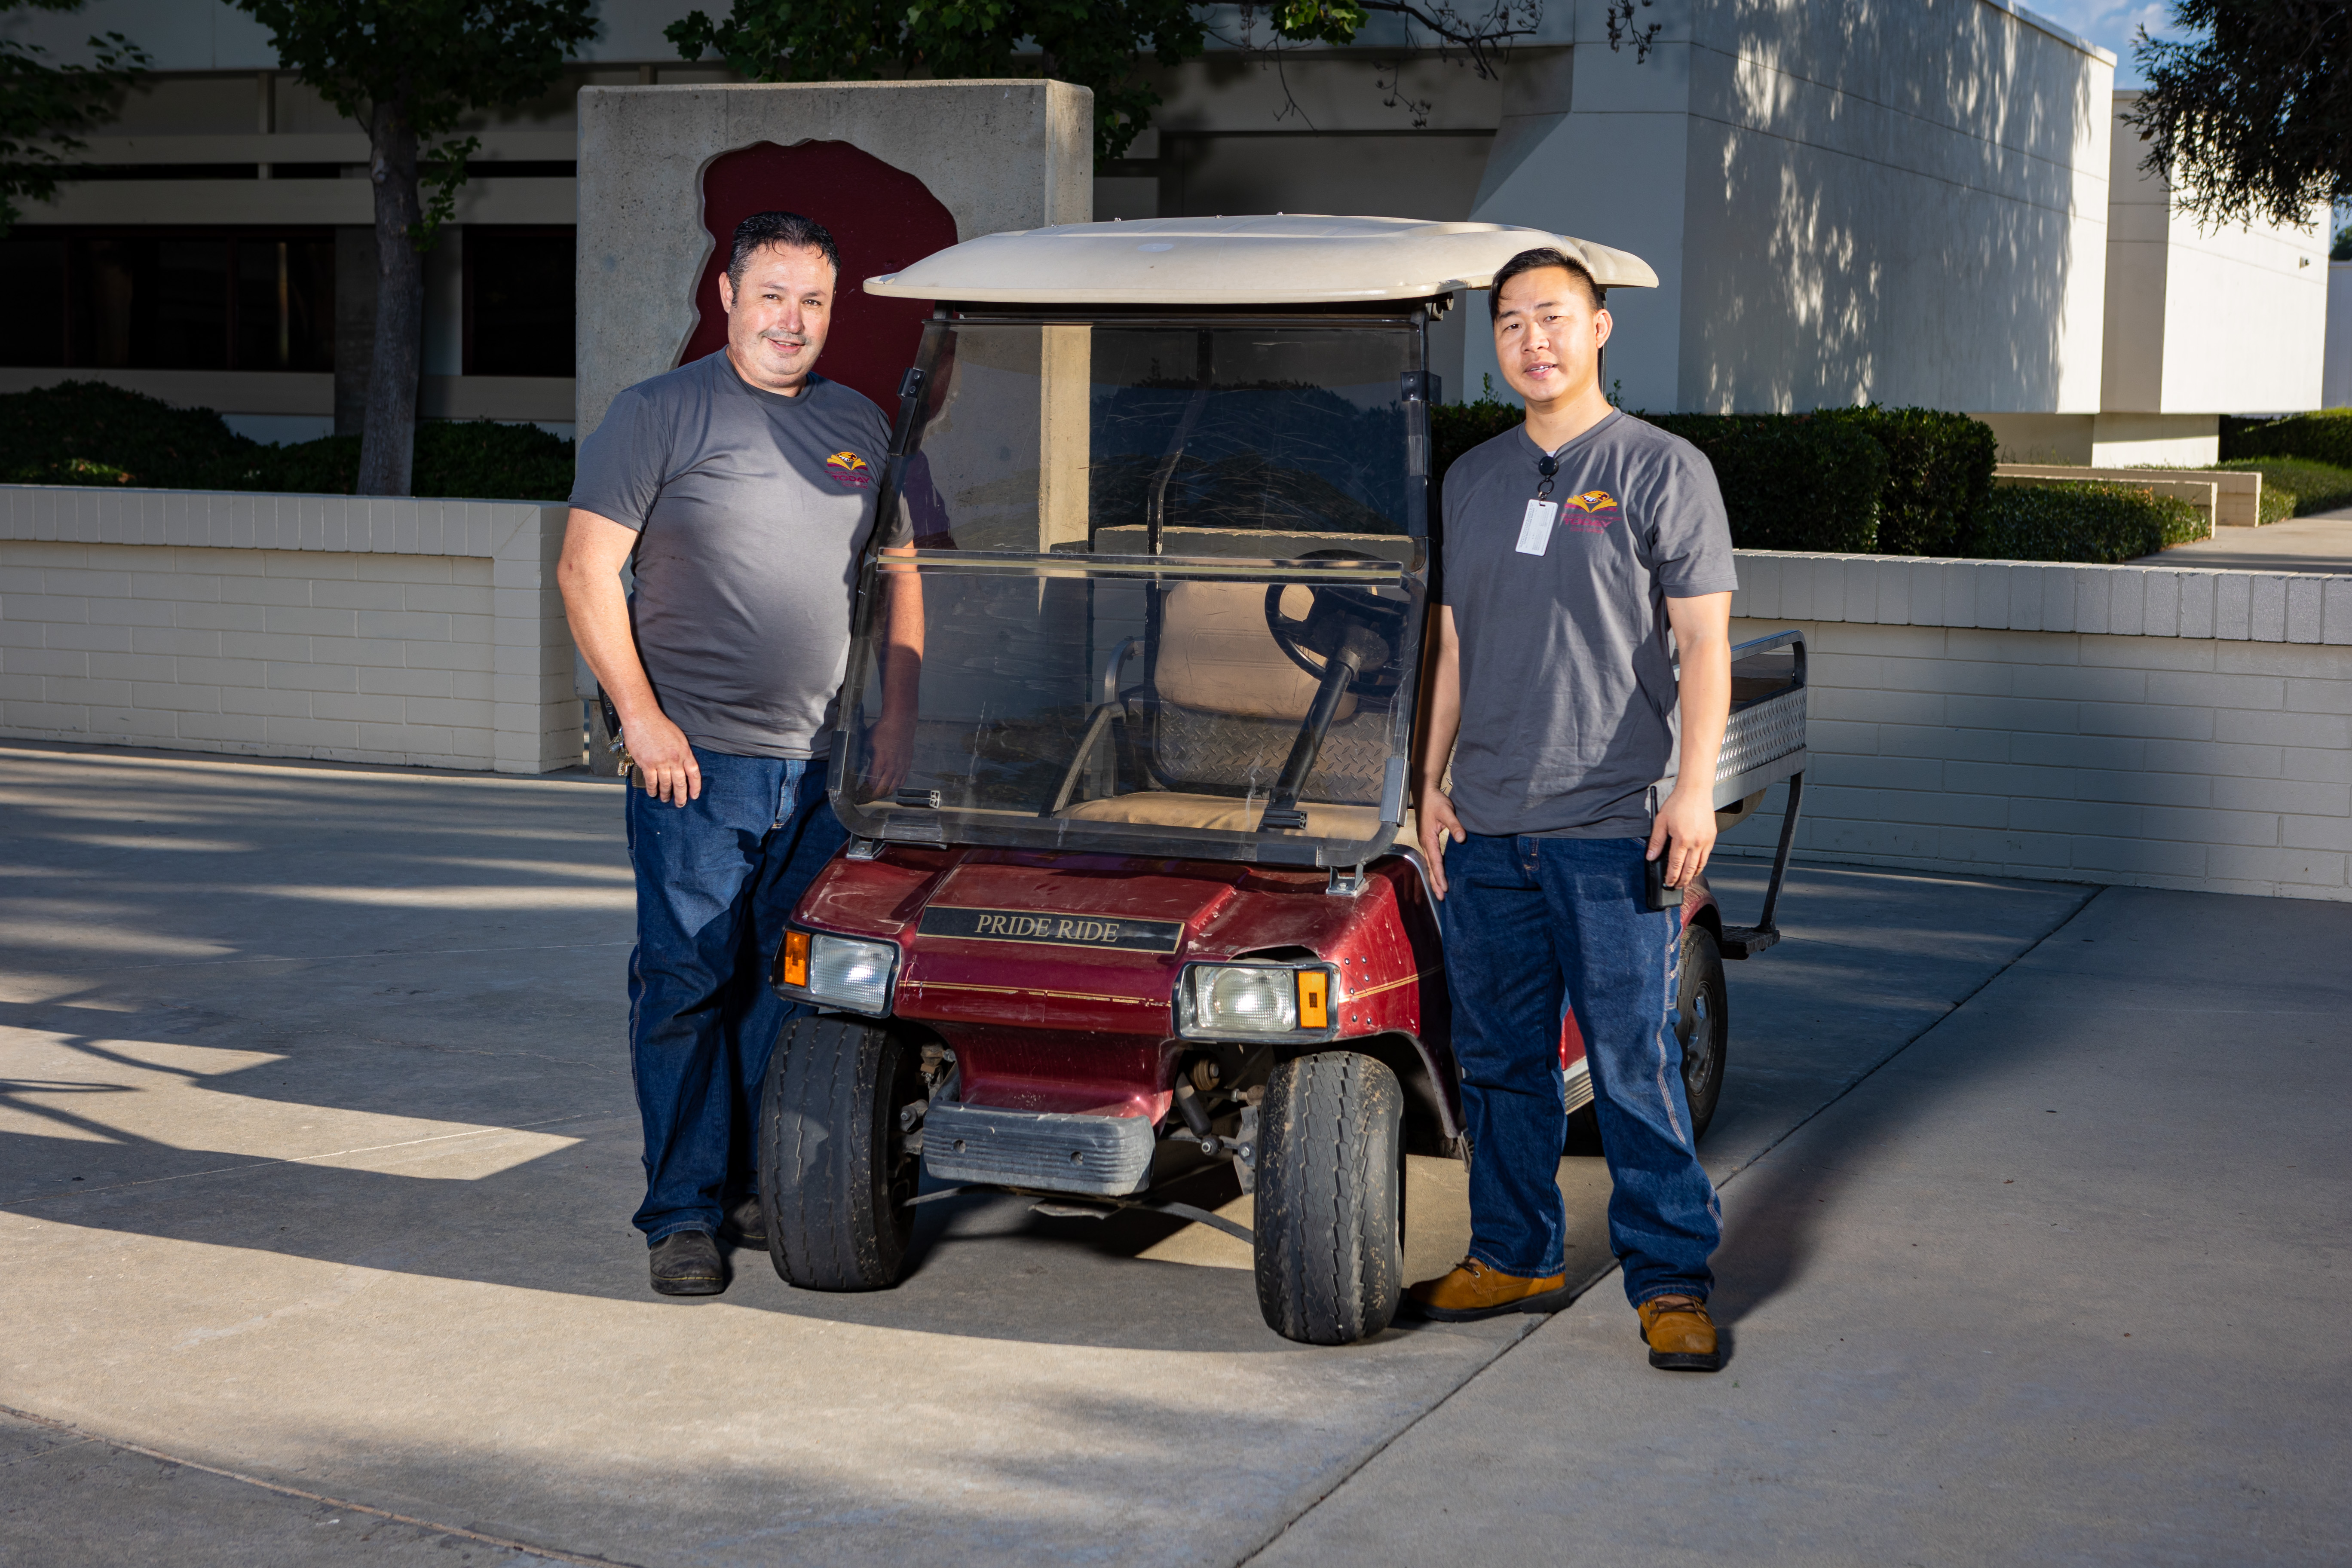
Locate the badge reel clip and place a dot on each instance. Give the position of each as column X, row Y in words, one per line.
column 1535, row 529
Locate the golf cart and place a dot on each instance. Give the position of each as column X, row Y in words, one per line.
column 1137, row 892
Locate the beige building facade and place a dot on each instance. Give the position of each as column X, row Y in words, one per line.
column 1923, row 203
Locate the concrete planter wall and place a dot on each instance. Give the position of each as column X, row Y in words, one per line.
column 353, row 629
column 2148, row 725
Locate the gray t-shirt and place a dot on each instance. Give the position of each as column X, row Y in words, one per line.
column 1567, row 693
column 751, row 510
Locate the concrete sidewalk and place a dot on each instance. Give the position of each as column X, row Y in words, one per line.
column 2319, row 543
column 317, row 1154
column 2057, row 1284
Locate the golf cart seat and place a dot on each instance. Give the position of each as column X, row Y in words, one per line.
column 1217, row 713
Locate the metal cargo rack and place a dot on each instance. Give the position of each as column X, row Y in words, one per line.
column 1764, row 743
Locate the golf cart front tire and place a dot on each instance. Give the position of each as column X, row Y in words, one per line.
column 1329, row 1209
column 834, row 1172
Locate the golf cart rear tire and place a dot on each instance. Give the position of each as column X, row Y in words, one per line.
column 1703, row 1026
column 834, row 1174
column 1329, row 1210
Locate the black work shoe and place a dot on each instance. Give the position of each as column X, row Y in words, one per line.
column 746, row 1225
column 687, row 1264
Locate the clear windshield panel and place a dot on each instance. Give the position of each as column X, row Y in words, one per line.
column 1219, row 438
column 1193, row 707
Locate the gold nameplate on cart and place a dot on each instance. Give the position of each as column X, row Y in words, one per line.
column 1119, row 934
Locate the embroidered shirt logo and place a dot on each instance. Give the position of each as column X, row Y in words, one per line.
column 849, row 468
column 1592, row 511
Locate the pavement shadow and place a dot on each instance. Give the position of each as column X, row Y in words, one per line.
column 1780, row 1208
column 339, row 955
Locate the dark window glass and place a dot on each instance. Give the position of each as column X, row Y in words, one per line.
column 519, row 301
column 33, row 282
column 169, row 299
column 151, row 304
column 285, row 304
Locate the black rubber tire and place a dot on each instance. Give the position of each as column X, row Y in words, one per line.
column 1330, row 1198
column 835, row 1171
column 1704, row 1026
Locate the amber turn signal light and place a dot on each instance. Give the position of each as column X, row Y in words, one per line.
column 1314, row 999
column 796, row 949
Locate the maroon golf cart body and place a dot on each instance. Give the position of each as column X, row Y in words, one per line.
column 1141, row 895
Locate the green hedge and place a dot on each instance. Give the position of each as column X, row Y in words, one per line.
column 1791, row 481
column 2321, row 438
column 90, row 433
column 2295, row 488
column 1938, row 471
column 2075, row 520
column 1810, row 481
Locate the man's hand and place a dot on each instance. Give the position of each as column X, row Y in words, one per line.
column 1685, row 831
column 1685, row 834
column 590, row 575
column 664, row 760
column 889, row 754
column 1436, row 823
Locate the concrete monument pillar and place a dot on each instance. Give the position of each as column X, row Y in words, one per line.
column 888, row 166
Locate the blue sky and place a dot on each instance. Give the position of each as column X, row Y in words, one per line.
column 2111, row 25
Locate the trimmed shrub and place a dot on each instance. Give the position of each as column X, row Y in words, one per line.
column 474, row 458
column 92, row 433
column 1456, row 427
column 1938, row 471
column 2321, row 438
column 1791, row 481
column 2079, row 521
column 2294, row 488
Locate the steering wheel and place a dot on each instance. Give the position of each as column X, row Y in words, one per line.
column 1335, row 614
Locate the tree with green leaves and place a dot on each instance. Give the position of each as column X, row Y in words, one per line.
column 43, row 105
column 1095, row 44
column 2249, row 116
column 408, row 70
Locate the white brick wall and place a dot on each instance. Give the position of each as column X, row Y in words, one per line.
column 2174, row 760
column 420, row 633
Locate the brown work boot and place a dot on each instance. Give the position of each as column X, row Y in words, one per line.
column 1680, row 1335
column 1472, row 1291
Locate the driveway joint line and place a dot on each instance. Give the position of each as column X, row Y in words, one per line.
column 552, row 1553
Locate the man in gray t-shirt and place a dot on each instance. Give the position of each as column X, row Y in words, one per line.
column 742, row 490
column 1567, row 691
column 1572, row 546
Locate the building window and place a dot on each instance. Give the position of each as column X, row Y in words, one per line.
column 159, row 299
column 519, row 301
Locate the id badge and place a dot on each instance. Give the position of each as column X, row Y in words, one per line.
column 1535, row 529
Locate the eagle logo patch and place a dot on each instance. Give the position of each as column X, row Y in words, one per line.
column 849, row 468
column 1592, row 511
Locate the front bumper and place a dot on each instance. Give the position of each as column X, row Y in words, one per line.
column 1106, row 1156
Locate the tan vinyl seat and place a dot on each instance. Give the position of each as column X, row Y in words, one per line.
column 1217, row 657
column 1216, row 660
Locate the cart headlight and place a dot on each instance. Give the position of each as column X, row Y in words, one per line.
column 1238, row 1001
column 844, row 971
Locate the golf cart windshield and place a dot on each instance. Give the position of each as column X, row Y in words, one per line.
column 1172, row 578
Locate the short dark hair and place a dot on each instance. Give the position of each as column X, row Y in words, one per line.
column 790, row 230
column 1535, row 261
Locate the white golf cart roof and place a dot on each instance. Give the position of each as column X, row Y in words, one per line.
column 1281, row 259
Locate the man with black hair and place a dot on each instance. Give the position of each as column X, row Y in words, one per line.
column 740, row 489
column 1573, row 544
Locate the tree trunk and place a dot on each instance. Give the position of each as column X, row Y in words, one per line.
column 388, row 444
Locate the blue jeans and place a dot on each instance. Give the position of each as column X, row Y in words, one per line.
column 716, row 878
column 1532, row 928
